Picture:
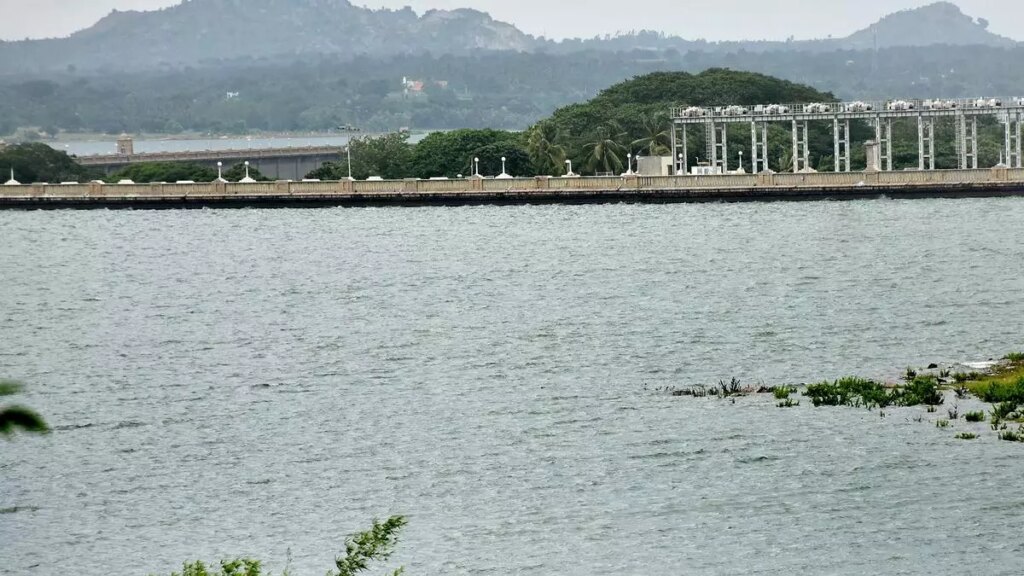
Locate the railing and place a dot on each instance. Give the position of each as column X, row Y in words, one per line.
column 379, row 186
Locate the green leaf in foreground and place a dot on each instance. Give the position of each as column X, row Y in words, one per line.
column 14, row 418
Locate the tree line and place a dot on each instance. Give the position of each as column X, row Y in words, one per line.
column 504, row 90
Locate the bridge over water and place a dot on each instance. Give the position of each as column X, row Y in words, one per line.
column 275, row 163
column 964, row 113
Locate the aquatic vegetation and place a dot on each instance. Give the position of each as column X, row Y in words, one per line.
column 783, row 392
column 954, row 413
column 1015, row 357
column 933, row 409
column 967, row 436
column 921, row 390
column 975, row 416
column 1013, row 435
column 731, row 388
column 997, row 423
column 942, row 423
column 962, row 392
column 1004, row 410
column 857, row 392
column 788, row 403
column 961, row 377
column 910, row 374
column 860, row 392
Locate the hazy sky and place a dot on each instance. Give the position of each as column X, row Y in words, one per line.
column 714, row 20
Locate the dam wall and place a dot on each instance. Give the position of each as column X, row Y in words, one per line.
column 706, row 188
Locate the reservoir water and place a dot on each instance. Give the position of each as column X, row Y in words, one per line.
column 264, row 382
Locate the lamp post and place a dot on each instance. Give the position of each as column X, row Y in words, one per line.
column 629, row 163
column 569, row 164
column 741, row 160
column 248, row 179
column 220, row 171
column 502, row 164
column 476, row 167
column 679, row 166
column 348, row 153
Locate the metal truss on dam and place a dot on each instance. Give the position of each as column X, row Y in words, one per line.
column 879, row 115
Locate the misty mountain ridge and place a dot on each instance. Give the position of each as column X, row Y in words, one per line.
column 198, row 32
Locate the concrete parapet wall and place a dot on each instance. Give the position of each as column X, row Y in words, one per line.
column 724, row 187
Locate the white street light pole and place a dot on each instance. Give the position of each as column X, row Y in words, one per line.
column 220, row 171
column 476, row 167
column 348, row 152
column 679, row 168
column 502, row 164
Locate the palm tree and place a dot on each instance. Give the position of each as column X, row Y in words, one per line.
column 604, row 153
column 655, row 140
column 543, row 143
column 13, row 418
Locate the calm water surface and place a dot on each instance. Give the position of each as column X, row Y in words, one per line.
column 254, row 382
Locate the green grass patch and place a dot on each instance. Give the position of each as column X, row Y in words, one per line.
column 1004, row 383
column 861, row 392
column 975, row 416
column 967, row 436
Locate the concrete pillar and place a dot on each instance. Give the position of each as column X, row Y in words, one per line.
column 685, row 167
column 796, row 148
column 675, row 161
column 872, row 151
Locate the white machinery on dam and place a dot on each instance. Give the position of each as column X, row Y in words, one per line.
column 880, row 115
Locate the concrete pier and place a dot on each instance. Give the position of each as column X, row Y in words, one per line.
column 540, row 190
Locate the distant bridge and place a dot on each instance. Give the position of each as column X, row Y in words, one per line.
column 274, row 163
column 964, row 114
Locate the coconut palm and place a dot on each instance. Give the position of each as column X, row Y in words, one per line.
column 604, row 153
column 543, row 143
column 655, row 139
column 14, row 418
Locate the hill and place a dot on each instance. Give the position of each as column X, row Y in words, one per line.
column 208, row 31
column 215, row 33
column 939, row 23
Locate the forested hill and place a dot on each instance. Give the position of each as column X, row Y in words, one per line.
column 937, row 24
column 199, row 32
column 213, row 33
